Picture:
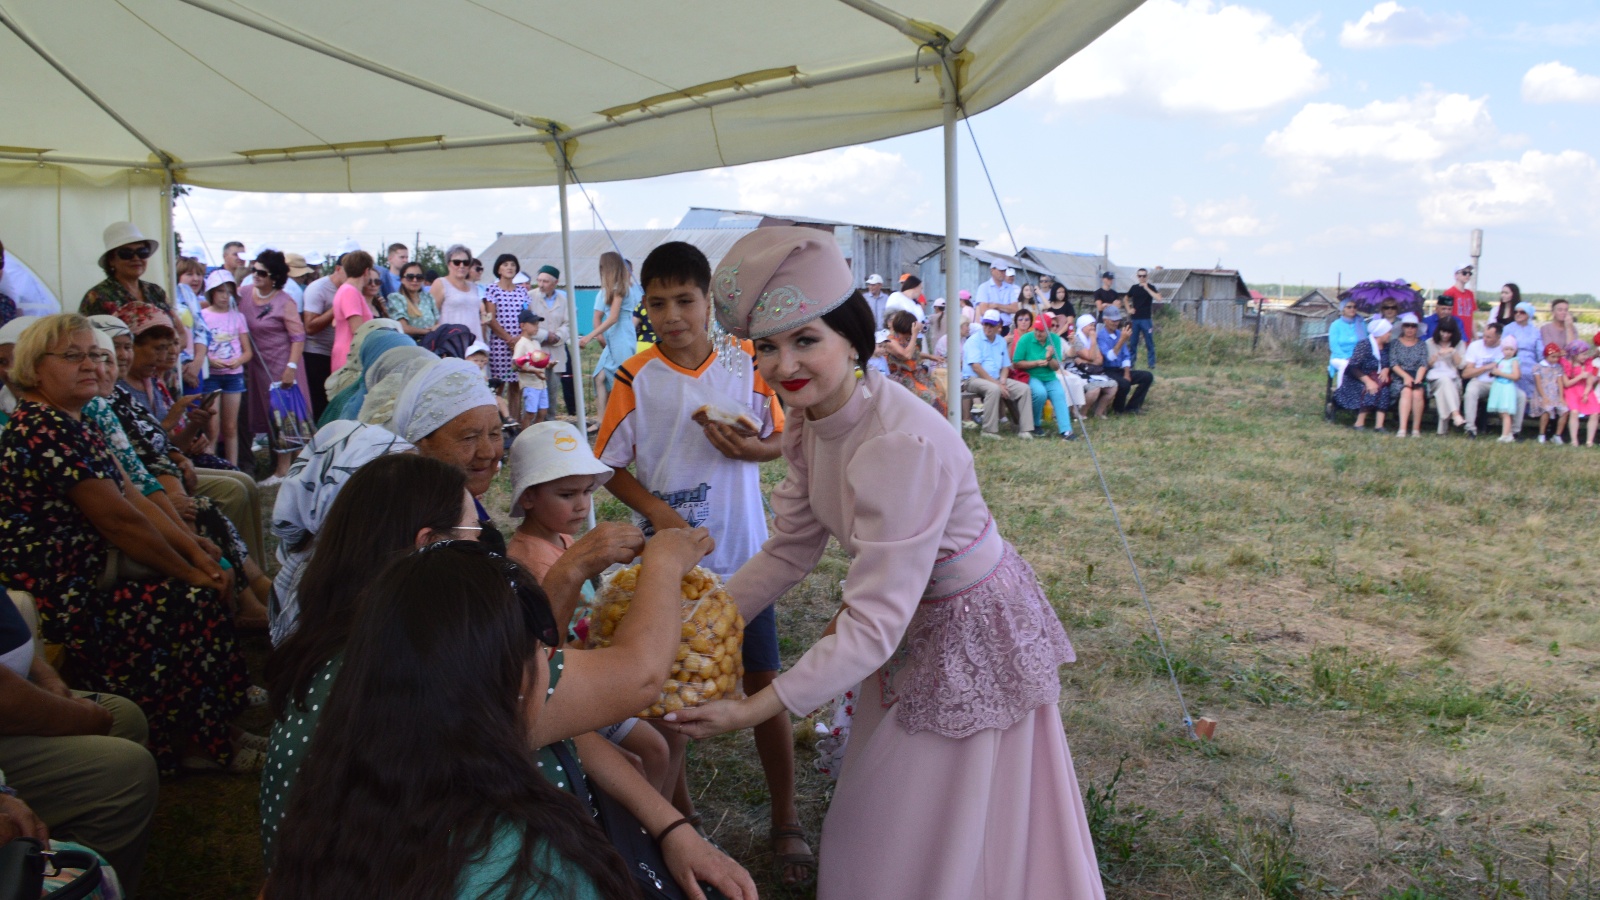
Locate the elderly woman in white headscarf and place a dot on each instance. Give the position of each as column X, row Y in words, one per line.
column 441, row 408
column 1366, row 378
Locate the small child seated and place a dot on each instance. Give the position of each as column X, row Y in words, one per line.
column 553, row 479
column 531, row 360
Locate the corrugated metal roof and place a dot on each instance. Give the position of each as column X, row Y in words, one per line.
column 535, row 250
column 1079, row 271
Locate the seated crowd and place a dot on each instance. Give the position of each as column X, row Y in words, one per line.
column 1516, row 369
column 1026, row 354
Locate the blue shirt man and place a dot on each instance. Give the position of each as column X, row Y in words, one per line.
column 988, row 351
column 1430, row 324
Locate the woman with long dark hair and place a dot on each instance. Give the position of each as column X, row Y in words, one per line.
column 401, row 502
column 418, row 782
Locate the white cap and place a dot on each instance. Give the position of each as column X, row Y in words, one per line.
column 939, row 303
column 315, row 259
column 548, row 451
column 874, row 279
column 882, row 335
column 991, row 317
column 476, row 347
column 1410, row 319
column 521, row 278
column 217, row 278
column 349, row 246
column 1010, row 273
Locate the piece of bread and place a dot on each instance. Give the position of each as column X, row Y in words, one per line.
column 743, row 422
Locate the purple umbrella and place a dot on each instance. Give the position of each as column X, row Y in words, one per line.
column 1369, row 296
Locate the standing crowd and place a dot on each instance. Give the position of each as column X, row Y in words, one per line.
column 1512, row 367
column 439, row 727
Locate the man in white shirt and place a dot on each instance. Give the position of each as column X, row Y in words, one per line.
column 999, row 295
column 1477, row 370
column 876, row 298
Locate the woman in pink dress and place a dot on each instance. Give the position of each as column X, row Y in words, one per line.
column 956, row 779
column 279, row 337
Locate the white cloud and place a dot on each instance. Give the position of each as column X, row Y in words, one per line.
column 1553, row 189
column 1553, row 82
column 1389, row 24
column 1223, row 218
column 823, row 184
column 1197, row 57
column 1409, row 131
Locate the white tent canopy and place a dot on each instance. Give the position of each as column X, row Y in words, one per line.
column 390, row 95
column 407, row 95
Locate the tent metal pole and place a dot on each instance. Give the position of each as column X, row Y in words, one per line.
column 574, row 355
column 971, row 28
column 952, row 255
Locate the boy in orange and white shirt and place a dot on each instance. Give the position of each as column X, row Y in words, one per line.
column 691, row 474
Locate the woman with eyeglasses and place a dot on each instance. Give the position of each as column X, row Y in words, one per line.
column 164, row 640
column 457, row 295
column 279, row 337
column 126, row 257
column 412, row 306
column 400, row 503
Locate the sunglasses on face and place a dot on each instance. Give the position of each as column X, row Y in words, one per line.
column 127, row 254
column 459, row 262
column 536, row 614
column 412, row 277
column 261, row 273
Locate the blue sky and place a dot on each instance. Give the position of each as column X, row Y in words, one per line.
column 1289, row 141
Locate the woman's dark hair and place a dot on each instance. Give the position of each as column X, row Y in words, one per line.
column 374, row 519
column 276, row 266
column 911, row 281
column 677, row 262
column 1016, row 327
column 504, row 258
column 901, row 322
column 1516, row 294
column 1450, row 328
column 420, row 763
column 853, row 318
column 1060, row 290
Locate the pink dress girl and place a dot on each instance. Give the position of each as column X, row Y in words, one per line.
column 956, row 780
column 1581, row 397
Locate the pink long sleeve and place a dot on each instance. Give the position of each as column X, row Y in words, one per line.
column 796, row 543
column 903, row 498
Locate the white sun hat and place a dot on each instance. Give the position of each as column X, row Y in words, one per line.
column 548, row 451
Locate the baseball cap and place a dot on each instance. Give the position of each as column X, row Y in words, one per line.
column 939, row 303
column 477, row 347
column 528, row 315
column 521, row 278
column 991, row 318
column 1112, row 314
column 1010, row 272
column 874, row 278
column 547, row 451
column 881, row 336
column 1108, row 276
column 965, row 295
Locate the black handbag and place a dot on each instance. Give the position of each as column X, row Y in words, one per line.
column 630, row 839
column 22, row 865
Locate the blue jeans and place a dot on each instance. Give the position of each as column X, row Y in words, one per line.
column 1145, row 327
column 1056, row 393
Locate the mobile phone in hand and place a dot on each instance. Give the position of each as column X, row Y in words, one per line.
column 210, row 399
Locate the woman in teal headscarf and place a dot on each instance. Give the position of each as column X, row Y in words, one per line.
column 346, row 404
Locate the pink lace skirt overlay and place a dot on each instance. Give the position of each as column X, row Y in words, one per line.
column 983, row 657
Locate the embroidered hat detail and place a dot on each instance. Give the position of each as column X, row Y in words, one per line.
column 775, row 279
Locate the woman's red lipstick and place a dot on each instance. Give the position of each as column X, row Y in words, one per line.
column 792, row 386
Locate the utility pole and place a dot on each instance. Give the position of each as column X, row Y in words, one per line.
column 1475, row 250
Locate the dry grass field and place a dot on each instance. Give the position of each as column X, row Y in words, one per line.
column 1399, row 639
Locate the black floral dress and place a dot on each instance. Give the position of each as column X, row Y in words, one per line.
column 1352, row 394
column 163, row 644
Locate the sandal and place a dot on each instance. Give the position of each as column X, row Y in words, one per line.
column 806, row 860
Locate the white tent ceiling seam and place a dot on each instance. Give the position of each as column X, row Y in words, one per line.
column 312, row 89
